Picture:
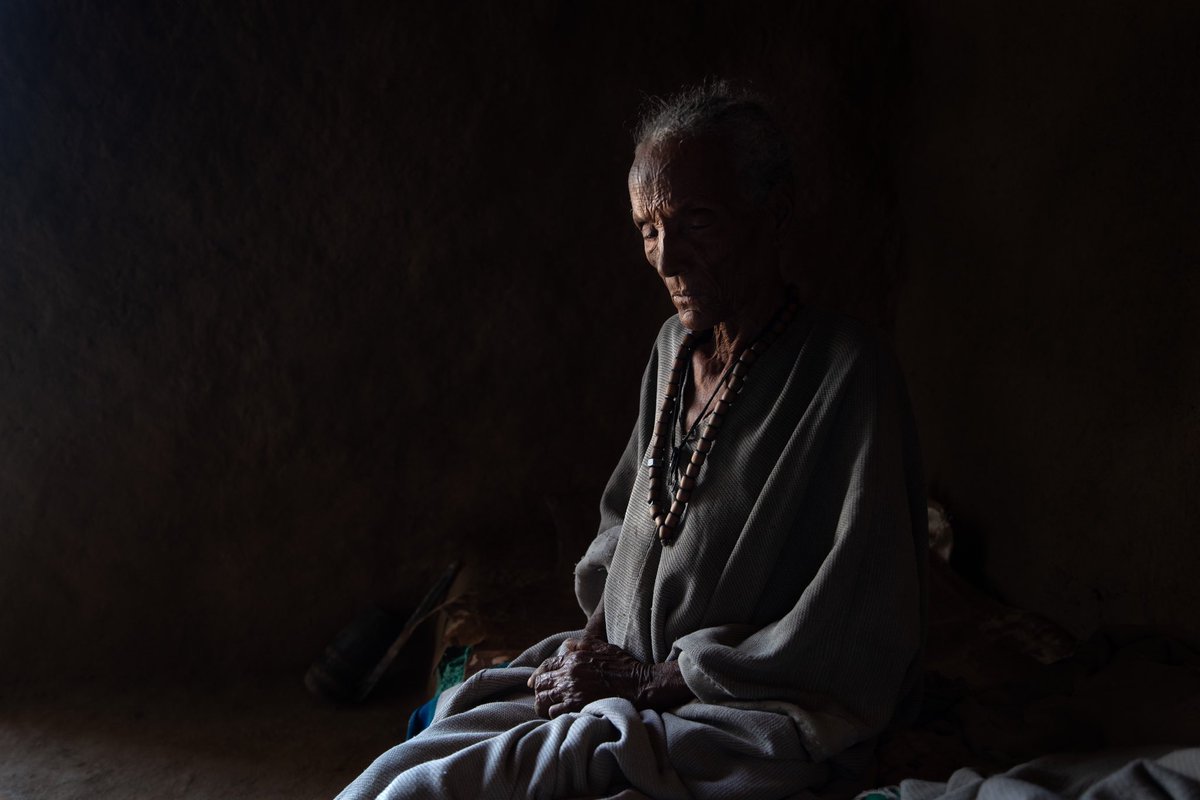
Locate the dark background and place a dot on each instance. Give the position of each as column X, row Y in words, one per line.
column 300, row 301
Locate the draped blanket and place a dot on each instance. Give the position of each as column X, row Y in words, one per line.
column 1161, row 773
column 793, row 599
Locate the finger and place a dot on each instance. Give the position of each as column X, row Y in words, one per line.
column 593, row 644
column 563, row 708
column 571, row 645
column 537, row 673
column 542, row 703
column 544, row 683
column 549, row 665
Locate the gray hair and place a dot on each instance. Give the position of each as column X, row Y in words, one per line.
column 734, row 113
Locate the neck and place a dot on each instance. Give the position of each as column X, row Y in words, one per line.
column 731, row 336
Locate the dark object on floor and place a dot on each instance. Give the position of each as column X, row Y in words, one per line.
column 361, row 653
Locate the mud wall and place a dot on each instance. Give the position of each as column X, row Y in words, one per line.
column 300, row 301
column 1049, row 181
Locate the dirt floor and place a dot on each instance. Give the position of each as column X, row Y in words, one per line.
column 262, row 739
column 256, row 739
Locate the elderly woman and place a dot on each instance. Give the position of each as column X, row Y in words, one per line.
column 755, row 594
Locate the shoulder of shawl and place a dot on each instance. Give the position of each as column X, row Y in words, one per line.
column 843, row 340
column 670, row 335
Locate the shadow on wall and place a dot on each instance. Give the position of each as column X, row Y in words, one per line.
column 1048, row 178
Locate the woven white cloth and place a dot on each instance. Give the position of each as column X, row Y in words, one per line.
column 793, row 599
column 1158, row 773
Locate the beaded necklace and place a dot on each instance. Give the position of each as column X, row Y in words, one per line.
column 729, row 386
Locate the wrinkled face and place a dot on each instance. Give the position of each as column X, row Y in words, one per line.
column 713, row 249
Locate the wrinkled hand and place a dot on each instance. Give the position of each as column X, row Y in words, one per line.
column 590, row 669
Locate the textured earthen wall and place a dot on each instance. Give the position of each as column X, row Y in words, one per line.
column 1050, row 184
column 298, row 302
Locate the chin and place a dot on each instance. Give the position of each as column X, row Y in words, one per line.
column 695, row 319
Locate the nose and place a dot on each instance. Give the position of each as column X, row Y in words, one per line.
column 667, row 260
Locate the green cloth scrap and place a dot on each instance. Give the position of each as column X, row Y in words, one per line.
column 452, row 669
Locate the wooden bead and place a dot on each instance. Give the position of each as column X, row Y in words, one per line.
column 657, row 460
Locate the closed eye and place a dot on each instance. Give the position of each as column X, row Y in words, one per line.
column 700, row 218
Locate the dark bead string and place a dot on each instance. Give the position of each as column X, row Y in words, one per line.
column 667, row 522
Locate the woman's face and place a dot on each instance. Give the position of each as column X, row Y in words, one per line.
column 714, row 250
